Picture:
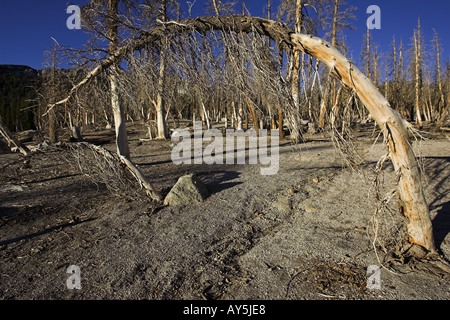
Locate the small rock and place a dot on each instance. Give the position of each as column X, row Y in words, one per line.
column 188, row 190
column 283, row 204
column 290, row 191
column 315, row 180
column 310, row 208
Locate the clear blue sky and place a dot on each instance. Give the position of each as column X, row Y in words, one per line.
column 27, row 26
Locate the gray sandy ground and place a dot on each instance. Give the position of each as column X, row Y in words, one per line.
column 305, row 233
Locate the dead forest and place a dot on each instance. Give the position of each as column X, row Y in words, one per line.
column 152, row 65
column 245, row 78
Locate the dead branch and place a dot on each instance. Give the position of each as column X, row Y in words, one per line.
column 115, row 158
column 4, row 132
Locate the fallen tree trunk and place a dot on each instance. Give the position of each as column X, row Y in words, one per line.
column 4, row 132
column 395, row 129
column 137, row 174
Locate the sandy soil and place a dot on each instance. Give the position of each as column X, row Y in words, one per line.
column 305, row 233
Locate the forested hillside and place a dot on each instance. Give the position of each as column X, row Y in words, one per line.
column 16, row 96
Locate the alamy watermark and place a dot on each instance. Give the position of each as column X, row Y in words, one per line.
column 373, row 277
column 374, row 21
column 220, row 147
column 74, row 281
column 74, row 21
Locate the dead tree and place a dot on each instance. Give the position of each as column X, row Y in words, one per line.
column 418, row 73
column 123, row 148
column 438, row 75
column 396, row 130
column 160, row 105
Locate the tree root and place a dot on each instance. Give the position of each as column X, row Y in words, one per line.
column 407, row 258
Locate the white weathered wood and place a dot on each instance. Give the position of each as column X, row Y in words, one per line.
column 396, row 134
column 4, row 132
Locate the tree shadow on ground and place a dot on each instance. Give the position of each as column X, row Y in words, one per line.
column 46, row 231
column 436, row 172
column 219, row 180
column 441, row 224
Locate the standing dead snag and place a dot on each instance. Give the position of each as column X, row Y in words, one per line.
column 123, row 148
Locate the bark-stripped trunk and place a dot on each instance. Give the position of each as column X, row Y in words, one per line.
column 395, row 129
column 205, row 115
column 438, row 66
column 324, row 102
column 251, row 110
column 368, row 68
column 280, row 122
column 240, row 117
column 123, row 148
column 418, row 70
column 323, row 107
column 296, row 66
column 395, row 71
column 296, row 57
column 160, row 107
column 52, row 119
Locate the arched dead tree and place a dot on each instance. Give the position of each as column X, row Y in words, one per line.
column 395, row 129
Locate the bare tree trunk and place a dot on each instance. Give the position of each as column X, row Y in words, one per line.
column 438, row 66
column 418, row 69
column 324, row 102
column 240, row 116
column 280, row 122
column 335, row 109
column 205, row 114
column 160, row 108
column 296, row 69
column 52, row 125
column 253, row 115
column 414, row 205
column 395, row 71
column 323, row 108
column 386, row 82
column 368, row 72
column 123, row 148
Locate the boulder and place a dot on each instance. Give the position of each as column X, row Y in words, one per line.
column 188, row 190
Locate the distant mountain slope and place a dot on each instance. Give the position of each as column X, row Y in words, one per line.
column 16, row 91
column 18, row 69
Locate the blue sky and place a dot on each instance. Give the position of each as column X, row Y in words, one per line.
column 27, row 26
